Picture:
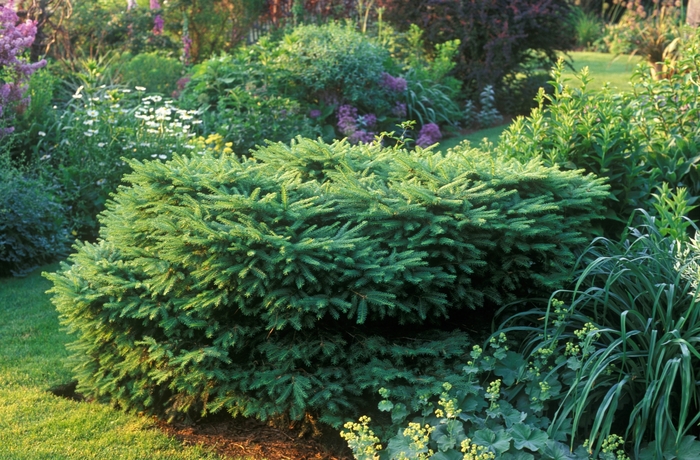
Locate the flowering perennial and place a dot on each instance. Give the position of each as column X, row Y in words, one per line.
column 15, row 37
column 356, row 128
column 429, row 134
column 396, row 84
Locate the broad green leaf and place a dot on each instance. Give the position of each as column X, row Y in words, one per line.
column 496, row 441
column 449, row 435
column 556, row 451
column 399, row 413
column 385, row 405
column 509, row 368
column 449, row 455
column 519, row 455
column 524, row 437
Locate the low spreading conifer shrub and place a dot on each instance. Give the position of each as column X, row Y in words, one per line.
column 301, row 280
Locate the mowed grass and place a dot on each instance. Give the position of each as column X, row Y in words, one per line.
column 603, row 69
column 35, row 424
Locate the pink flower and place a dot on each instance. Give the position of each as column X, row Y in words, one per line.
column 154, row 5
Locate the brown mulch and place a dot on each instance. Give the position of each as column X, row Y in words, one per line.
column 232, row 438
column 238, row 437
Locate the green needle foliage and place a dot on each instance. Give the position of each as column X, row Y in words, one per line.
column 628, row 336
column 307, row 277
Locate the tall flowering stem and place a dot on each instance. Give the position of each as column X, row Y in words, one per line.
column 15, row 37
column 186, row 42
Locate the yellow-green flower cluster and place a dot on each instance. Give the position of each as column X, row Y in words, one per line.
column 560, row 313
column 361, row 440
column 448, row 405
column 613, row 445
column 475, row 452
column 494, row 392
column 587, row 329
column 572, row 349
column 419, row 436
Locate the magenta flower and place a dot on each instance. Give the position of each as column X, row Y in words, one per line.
column 158, row 24
column 429, row 134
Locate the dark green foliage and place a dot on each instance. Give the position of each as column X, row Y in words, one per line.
column 302, row 279
column 32, row 224
column 497, row 37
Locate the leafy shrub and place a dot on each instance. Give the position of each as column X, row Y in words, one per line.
column 332, row 63
column 31, row 126
column 301, row 279
column 328, row 81
column 97, row 28
column 488, row 50
column 32, row 224
column 432, row 93
column 155, row 72
column 635, row 140
column 246, row 119
column 628, row 330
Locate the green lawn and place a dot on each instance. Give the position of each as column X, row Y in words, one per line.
column 603, row 68
column 35, row 424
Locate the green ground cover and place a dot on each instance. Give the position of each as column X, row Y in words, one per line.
column 35, row 424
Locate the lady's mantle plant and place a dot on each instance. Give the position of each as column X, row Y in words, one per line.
column 301, row 280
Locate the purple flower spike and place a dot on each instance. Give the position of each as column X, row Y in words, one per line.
column 315, row 113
